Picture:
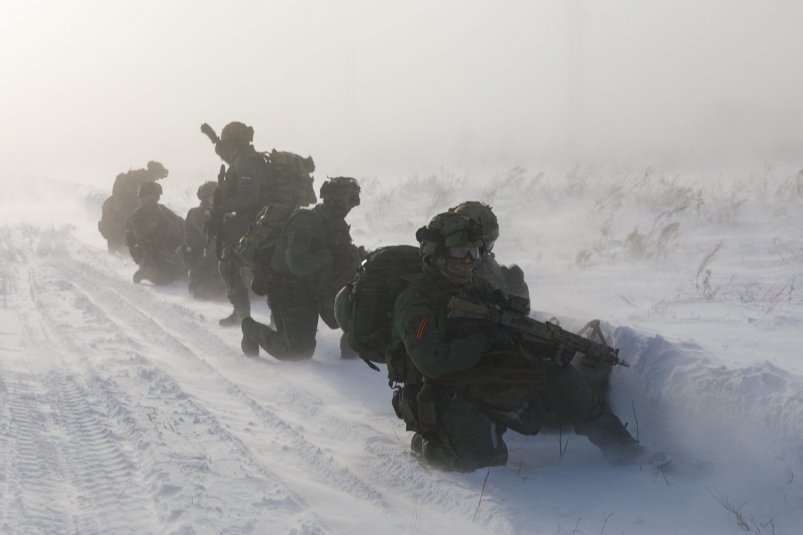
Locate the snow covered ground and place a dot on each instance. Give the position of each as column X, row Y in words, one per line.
column 126, row 409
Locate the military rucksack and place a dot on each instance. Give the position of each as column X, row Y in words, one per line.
column 364, row 307
column 293, row 175
column 256, row 248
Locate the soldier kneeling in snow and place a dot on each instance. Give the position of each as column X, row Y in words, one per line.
column 153, row 234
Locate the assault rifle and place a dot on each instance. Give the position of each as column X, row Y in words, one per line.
column 516, row 318
column 210, row 133
column 214, row 227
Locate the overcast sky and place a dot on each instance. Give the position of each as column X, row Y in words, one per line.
column 94, row 87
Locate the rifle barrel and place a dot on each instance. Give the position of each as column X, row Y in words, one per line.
column 545, row 331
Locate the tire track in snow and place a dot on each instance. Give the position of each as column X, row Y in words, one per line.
column 265, row 501
column 57, row 457
column 36, row 489
column 109, row 493
column 290, row 439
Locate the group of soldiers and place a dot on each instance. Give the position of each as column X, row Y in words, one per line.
column 165, row 247
column 459, row 384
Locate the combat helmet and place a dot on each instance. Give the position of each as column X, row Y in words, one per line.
column 156, row 170
column 206, row 189
column 340, row 185
column 448, row 229
column 149, row 189
column 486, row 217
column 451, row 244
column 237, row 133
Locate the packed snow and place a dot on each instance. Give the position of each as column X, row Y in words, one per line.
column 126, row 409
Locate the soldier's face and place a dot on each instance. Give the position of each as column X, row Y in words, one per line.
column 149, row 200
column 461, row 261
column 342, row 204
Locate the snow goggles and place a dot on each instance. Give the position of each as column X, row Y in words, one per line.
column 459, row 253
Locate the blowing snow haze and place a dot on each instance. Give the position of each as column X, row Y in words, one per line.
column 383, row 88
column 644, row 163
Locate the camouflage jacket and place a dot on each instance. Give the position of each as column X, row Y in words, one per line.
column 467, row 355
column 154, row 229
column 314, row 245
column 251, row 184
column 437, row 345
column 244, row 191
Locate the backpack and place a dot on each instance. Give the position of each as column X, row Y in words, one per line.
column 256, row 248
column 292, row 185
column 293, row 175
column 365, row 305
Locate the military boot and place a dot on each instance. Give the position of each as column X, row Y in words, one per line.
column 417, row 445
column 610, row 435
column 249, row 345
column 443, row 457
column 638, row 454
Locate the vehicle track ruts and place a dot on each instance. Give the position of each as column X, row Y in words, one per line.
column 112, row 437
column 58, row 459
column 283, row 440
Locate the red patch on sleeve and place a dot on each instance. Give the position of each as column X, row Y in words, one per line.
column 422, row 326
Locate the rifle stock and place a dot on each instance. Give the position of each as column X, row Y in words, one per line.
column 538, row 330
column 210, row 133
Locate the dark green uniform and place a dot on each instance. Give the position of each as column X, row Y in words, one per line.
column 205, row 281
column 154, row 233
column 313, row 258
column 245, row 191
column 476, row 384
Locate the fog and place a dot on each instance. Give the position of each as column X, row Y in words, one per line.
column 379, row 88
column 604, row 134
